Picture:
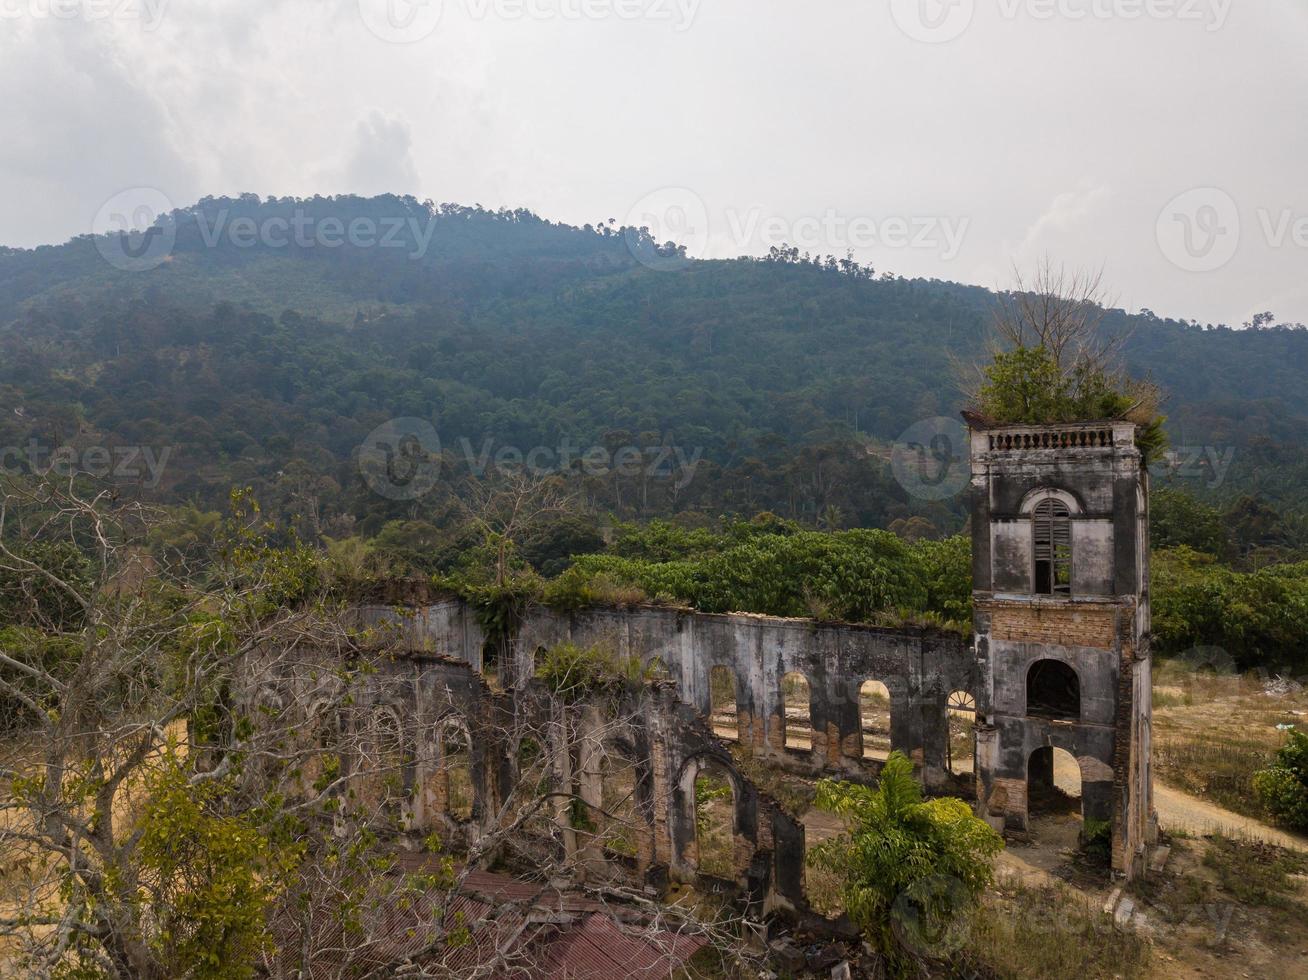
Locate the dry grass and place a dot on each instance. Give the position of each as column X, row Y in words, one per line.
column 1223, row 901
column 1213, row 731
column 1219, row 770
column 1052, row 932
column 823, row 888
column 794, row 794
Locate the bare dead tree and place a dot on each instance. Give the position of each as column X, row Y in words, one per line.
column 127, row 772
column 167, row 732
column 1062, row 311
column 571, row 809
column 508, row 502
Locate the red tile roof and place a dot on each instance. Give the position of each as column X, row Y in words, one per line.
column 519, row 930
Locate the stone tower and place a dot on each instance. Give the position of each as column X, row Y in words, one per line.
column 1060, row 577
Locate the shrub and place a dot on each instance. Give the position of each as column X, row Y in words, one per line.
column 1028, row 385
column 572, row 672
column 1283, row 786
column 901, row 849
column 1097, row 840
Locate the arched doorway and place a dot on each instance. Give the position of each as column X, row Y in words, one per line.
column 620, row 833
column 380, row 767
column 1053, row 785
column 961, row 747
column 456, row 770
column 1053, row 691
column 874, row 717
column 715, row 820
column 797, row 712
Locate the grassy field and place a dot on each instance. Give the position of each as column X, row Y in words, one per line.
column 1212, row 732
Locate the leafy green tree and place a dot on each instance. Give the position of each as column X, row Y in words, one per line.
column 1259, row 618
column 946, row 567
column 897, row 841
column 209, row 876
column 1178, row 518
column 1256, row 526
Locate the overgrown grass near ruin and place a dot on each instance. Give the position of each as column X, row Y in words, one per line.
column 1052, row 932
column 1214, row 729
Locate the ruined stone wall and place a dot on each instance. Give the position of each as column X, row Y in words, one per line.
column 666, row 732
column 436, row 700
column 920, row 669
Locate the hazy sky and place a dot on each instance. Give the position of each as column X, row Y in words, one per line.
column 1165, row 140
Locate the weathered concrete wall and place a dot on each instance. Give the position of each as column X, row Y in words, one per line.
column 447, row 627
column 920, row 668
column 433, row 700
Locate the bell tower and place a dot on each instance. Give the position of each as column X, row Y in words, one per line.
column 1060, row 578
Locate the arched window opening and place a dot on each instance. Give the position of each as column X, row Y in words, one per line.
column 1053, row 691
column 319, row 742
column 1052, row 537
column 618, row 800
column 874, row 716
column 715, row 821
column 1053, row 783
column 456, row 767
column 796, row 712
column 961, row 708
column 381, row 763
column 722, row 704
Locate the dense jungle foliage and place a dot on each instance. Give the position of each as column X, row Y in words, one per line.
column 781, row 381
column 734, row 388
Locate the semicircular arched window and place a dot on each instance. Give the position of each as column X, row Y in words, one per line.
column 1052, row 540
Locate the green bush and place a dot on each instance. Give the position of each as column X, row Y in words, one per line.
column 1259, row 618
column 573, row 672
column 1097, row 841
column 1283, row 786
column 1027, row 385
column 773, row 567
column 900, row 849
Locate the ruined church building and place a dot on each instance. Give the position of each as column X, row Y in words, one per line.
column 1059, row 662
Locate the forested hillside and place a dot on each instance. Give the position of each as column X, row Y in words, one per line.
column 267, row 360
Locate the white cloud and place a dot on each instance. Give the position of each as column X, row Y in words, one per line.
column 1067, row 215
column 382, row 159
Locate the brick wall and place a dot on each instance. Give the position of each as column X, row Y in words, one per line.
column 1030, row 622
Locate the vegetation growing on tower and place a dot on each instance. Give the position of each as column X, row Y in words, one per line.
column 1051, row 362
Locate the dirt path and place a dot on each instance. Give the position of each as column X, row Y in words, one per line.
column 1181, row 811
column 1177, row 810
